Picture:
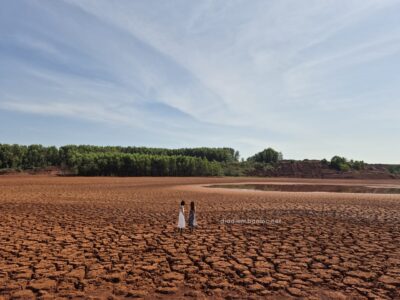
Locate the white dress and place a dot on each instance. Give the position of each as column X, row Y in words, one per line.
column 181, row 218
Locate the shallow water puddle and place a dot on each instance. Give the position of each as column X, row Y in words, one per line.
column 314, row 188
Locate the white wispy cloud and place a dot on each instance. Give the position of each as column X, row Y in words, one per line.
column 269, row 72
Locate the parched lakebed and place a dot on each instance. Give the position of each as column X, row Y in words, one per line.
column 116, row 238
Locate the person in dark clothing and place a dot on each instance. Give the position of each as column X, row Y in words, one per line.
column 192, row 217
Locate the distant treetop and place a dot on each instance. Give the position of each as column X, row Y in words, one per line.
column 268, row 155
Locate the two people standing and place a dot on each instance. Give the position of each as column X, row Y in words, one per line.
column 192, row 217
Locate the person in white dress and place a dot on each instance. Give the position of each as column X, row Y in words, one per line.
column 181, row 217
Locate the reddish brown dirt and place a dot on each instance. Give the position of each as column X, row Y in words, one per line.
column 111, row 238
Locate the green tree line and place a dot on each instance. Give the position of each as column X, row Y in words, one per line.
column 90, row 160
column 125, row 164
column 28, row 157
column 211, row 154
column 119, row 161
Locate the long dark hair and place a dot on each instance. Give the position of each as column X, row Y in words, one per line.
column 182, row 203
column 192, row 206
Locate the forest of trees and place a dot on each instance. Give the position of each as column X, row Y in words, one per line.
column 87, row 160
column 125, row 164
column 118, row 161
column 28, row 157
column 211, row 154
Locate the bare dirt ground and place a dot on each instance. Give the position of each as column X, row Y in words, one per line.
column 112, row 238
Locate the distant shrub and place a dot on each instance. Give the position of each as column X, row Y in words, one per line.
column 268, row 155
column 324, row 162
column 260, row 168
column 357, row 165
column 338, row 162
column 342, row 164
column 344, row 167
column 394, row 169
column 233, row 168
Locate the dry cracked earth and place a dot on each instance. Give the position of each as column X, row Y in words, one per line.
column 115, row 238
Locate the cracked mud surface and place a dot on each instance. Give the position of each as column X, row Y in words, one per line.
column 114, row 238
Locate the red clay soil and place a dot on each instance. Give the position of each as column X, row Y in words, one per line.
column 115, row 238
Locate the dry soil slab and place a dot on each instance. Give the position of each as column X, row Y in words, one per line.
column 114, row 238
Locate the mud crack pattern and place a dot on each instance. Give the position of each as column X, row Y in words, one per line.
column 115, row 238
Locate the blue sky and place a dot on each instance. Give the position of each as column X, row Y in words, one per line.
column 309, row 78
